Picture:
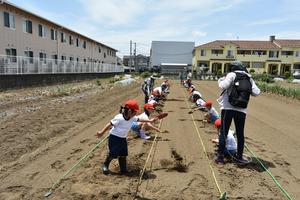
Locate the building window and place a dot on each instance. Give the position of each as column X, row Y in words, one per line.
column 203, row 52
column 27, row 26
column 11, row 54
column 84, row 61
column 104, row 55
column 29, row 56
column 244, row 52
column 259, row 53
column 273, row 54
column 287, row 53
column 41, row 30
column 71, row 40
column 77, row 60
column 77, row 42
column 43, row 57
column 84, row 44
column 258, row 64
column 229, row 53
column 99, row 49
column 297, row 53
column 53, row 34
column 54, row 57
column 63, row 58
column 63, row 37
column 71, row 59
column 9, row 20
column 216, row 51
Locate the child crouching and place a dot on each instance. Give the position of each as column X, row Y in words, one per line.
column 119, row 127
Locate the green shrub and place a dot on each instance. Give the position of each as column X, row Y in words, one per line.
column 287, row 74
column 252, row 71
column 263, row 77
column 275, row 89
column 98, row 82
column 145, row 74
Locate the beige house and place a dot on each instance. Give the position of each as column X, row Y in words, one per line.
column 275, row 56
column 32, row 44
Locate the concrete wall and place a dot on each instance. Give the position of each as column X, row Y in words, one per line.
column 21, row 81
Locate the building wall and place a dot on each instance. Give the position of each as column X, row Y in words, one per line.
column 223, row 59
column 22, row 41
column 171, row 52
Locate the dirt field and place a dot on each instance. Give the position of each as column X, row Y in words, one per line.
column 42, row 136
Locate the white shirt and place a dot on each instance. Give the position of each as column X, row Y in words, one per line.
column 121, row 126
column 230, row 141
column 200, row 103
column 214, row 112
column 197, row 92
column 143, row 116
column 158, row 89
column 225, row 84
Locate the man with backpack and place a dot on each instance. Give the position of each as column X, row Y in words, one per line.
column 237, row 87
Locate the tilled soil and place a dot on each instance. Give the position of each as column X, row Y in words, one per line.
column 43, row 136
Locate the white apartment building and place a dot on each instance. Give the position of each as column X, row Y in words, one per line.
column 31, row 44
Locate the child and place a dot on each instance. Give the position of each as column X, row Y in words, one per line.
column 212, row 114
column 200, row 103
column 140, row 127
column 231, row 145
column 119, row 127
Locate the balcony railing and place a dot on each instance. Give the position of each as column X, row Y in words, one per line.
column 26, row 65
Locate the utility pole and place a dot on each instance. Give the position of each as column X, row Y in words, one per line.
column 130, row 57
column 135, row 64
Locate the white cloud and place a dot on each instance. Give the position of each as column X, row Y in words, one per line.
column 113, row 12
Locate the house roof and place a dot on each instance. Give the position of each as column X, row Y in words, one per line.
column 241, row 44
column 287, row 43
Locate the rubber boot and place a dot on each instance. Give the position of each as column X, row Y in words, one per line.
column 106, row 164
column 123, row 164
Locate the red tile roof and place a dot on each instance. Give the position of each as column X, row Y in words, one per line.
column 241, row 44
column 288, row 43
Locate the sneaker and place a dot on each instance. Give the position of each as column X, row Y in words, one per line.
column 105, row 169
column 242, row 161
column 220, row 160
column 144, row 136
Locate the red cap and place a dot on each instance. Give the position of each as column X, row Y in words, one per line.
column 149, row 106
column 218, row 123
column 208, row 103
column 132, row 104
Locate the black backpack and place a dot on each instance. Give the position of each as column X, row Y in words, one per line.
column 240, row 91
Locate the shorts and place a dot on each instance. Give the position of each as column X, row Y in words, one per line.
column 117, row 146
column 213, row 118
column 135, row 127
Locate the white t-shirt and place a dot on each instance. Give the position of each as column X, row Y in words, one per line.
column 158, row 89
column 230, row 141
column 121, row 126
column 197, row 93
column 214, row 112
column 200, row 103
column 143, row 116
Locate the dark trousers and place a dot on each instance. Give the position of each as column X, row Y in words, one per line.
column 239, row 122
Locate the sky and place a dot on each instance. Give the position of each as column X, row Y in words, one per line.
column 116, row 22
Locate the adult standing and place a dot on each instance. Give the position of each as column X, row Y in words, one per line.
column 237, row 113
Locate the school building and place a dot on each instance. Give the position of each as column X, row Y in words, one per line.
column 275, row 56
column 31, row 44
